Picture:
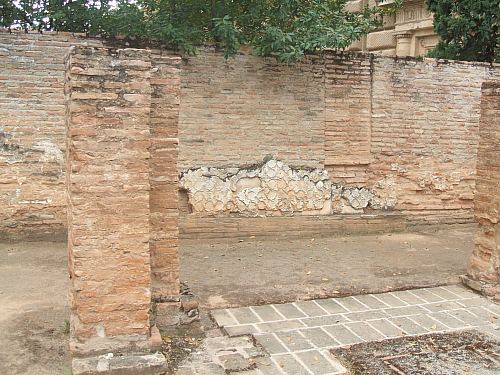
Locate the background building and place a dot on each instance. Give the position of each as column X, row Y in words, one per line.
column 407, row 33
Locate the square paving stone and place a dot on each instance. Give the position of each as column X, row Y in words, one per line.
column 294, row 341
column 266, row 366
column 428, row 323
column 331, row 306
column 364, row 331
column 483, row 314
column 343, row 335
column 448, row 320
column 442, row 306
column 461, row 291
column 285, row 325
column 391, row 300
column 327, row 320
column 289, row 311
column 406, row 311
column 387, row 328
column 366, row 315
column 427, row 295
column 223, row 318
column 318, row 364
column 244, row 315
column 472, row 302
column 310, row 308
column 408, row 326
column 466, row 317
column 408, row 297
column 267, row 313
column 289, row 365
column 444, row 293
column 270, row 343
column 350, row 304
column 372, row 302
column 319, row 337
column 246, row 329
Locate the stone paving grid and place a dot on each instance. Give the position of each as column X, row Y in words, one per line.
column 298, row 335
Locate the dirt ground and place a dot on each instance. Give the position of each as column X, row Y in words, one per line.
column 229, row 273
column 465, row 353
column 222, row 273
column 33, row 309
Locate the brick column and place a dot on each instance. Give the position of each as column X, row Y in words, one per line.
column 108, row 140
column 484, row 264
column 164, row 182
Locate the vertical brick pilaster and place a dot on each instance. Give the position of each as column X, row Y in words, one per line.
column 347, row 110
column 484, row 264
column 164, row 178
column 108, row 140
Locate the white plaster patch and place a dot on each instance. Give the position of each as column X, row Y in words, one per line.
column 51, row 153
column 276, row 189
column 273, row 188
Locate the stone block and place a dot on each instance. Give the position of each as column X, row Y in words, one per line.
column 129, row 364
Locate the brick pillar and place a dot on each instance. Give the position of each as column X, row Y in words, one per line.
column 164, row 182
column 484, row 264
column 108, row 140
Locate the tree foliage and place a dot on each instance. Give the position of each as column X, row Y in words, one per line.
column 286, row 29
column 468, row 29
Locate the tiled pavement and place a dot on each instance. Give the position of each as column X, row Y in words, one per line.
column 296, row 337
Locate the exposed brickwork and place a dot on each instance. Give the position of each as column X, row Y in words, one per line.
column 484, row 264
column 32, row 133
column 405, row 131
column 121, row 161
column 424, row 136
column 163, row 201
column 194, row 227
column 347, row 110
column 237, row 112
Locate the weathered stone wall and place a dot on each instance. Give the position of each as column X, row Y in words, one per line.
column 484, row 264
column 122, row 112
column 32, row 133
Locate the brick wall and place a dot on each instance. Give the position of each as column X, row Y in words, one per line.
column 425, row 118
column 32, row 133
column 484, row 264
column 235, row 113
column 394, row 135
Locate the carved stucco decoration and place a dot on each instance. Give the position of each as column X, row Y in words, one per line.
column 274, row 189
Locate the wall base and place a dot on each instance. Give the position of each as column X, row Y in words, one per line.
column 193, row 227
column 145, row 364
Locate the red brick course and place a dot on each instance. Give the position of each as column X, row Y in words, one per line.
column 121, row 181
column 484, row 264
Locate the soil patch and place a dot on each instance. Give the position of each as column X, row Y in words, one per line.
column 458, row 353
